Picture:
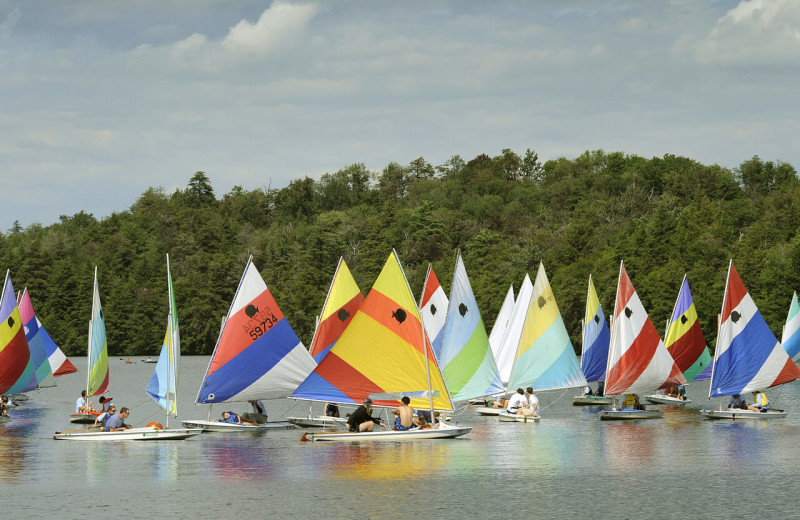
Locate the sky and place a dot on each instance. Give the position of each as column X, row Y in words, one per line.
column 102, row 99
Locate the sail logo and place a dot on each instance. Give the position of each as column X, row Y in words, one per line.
column 260, row 321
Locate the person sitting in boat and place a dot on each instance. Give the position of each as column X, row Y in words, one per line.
column 103, row 417
column 258, row 415
column 671, row 392
column 81, row 405
column 680, row 392
column 235, row 418
column 7, row 401
column 331, row 410
column 632, row 401
column 361, row 420
column 601, row 388
column 105, row 403
column 761, row 404
column 737, row 401
column 587, row 390
column 500, row 402
column 3, row 409
column 533, row 402
column 517, row 402
column 404, row 415
column 116, row 423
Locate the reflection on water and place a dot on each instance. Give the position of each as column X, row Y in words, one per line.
column 239, row 456
column 17, row 460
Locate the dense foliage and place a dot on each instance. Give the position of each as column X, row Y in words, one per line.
column 664, row 216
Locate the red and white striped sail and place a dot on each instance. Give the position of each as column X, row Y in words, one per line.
column 638, row 361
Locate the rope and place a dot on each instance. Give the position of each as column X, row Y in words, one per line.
column 557, row 398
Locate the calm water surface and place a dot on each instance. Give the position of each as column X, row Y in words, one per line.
column 570, row 465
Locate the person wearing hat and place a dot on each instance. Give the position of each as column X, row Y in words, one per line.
column 361, row 420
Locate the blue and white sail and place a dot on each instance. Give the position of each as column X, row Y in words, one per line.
column 505, row 355
column 163, row 386
column 501, row 322
column 790, row 339
column 596, row 338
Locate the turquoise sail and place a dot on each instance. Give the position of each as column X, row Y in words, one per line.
column 790, row 339
column 163, row 385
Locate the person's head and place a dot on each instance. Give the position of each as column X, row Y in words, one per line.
column 601, row 384
column 736, row 396
column 520, row 392
column 102, row 399
column 226, row 415
column 5, row 399
column 112, row 410
column 124, row 412
column 755, row 393
column 368, row 402
column 529, row 390
column 83, row 393
column 405, row 400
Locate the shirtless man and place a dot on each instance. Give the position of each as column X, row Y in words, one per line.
column 404, row 415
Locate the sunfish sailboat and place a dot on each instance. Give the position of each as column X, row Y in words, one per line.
column 257, row 356
column 637, row 358
column 59, row 364
column 747, row 357
column 433, row 307
column 36, row 342
column 383, row 354
column 790, row 339
column 594, row 349
column 15, row 358
column 163, row 389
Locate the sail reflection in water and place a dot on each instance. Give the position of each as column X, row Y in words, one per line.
column 241, row 458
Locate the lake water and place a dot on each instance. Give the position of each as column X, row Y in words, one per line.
column 570, row 465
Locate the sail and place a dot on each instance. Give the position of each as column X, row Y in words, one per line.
column 501, row 322
column 545, row 358
column 433, row 306
column 258, row 355
column 748, row 356
column 163, row 385
column 637, row 358
column 382, row 351
column 97, row 382
column 596, row 337
column 791, row 331
column 343, row 300
column 15, row 358
column 466, row 358
column 44, row 374
column 684, row 339
column 504, row 356
column 59, row 363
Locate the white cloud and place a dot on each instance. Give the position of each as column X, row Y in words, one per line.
column 276, row 25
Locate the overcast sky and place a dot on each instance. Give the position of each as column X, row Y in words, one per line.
column 100, row 99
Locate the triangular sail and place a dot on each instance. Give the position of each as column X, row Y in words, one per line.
column 382, row 351
column 466, row 358
column 684, row 339
column 505, row 355
column 44, row 374
column 791, row 331
column 596, row 338
column 343, row 300
column 15, row 358
column 748, row 356
column 545, row 358
column 163, row 385
column 501, row 322
column 433, row 306
column 97, row 381
column 637, row 358
column 258, row 355
column 59, row 363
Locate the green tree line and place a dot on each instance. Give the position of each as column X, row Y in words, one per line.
column 664, row 217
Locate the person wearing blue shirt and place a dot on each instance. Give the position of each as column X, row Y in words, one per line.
column 761, row 404
column 116, row 422
column 737, row 401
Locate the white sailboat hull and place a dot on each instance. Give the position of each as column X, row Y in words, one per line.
column 317, row 421
column 628, row 414
column 216, row 426
column 488, row 410
column 592, row 400
column 512, row 417
column 665, row 399
column 442, row 432
column 132, row 434
column 733, row 414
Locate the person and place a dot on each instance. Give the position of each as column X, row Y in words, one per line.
column 517, row 402
column 587, row 390
column 761, row 404
column 671, row 392
column 533, row 402
column 601, row 388
column 103, row 417
column 361, row 420
column 116, row 423
column 404, row 415
column 737, row 401
column 235, row 418
column 423, row 419
column 105, row 403
column 81, row 405
column 680, row 392
column 331, row 410
column 500, row 402
column 3, row 409
column 632, row 401
column 258, row 415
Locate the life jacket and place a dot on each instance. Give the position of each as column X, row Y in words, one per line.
column 630, row 401
column 761, row 400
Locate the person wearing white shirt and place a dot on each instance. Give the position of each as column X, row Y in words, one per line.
column 517, row 403
column 533, row 402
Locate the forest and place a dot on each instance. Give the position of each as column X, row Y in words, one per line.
column 665, row 217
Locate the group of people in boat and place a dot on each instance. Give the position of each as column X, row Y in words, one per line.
column 678, row 392
column 761, row 403
column 5, row 403
column 587, row 390
column 107, row 419
column 257, row 416
column 361, row 420
column 523, row 402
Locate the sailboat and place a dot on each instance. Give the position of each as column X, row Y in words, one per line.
column 790, row 338
column 594, row 349
column 637, row 358
column 747, row 357
column 162, row 388
column 433, row 307
column 501, row 322
column 15, row 357
column 59, row 364
column 383, row 354
column 685, row 342
column 97, row 359
column 257, row 355
column 36, row 342
column 545, row 358
column 342, row 302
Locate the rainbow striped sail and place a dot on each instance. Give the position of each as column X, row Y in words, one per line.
column 343, row 300
column 596, row 338
column 637, row 359
column 466, row 358
column 59, row 364
column 501, row 322
column 545, row 358
column 790, row 339
column 15, row 358
column 258, row 355
column 684, row 339
column 44, row 374
column 433, row 306
column 97, row 380
column 163, row 385
column 507, row 352
column 382, row 351
column 748, row 357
